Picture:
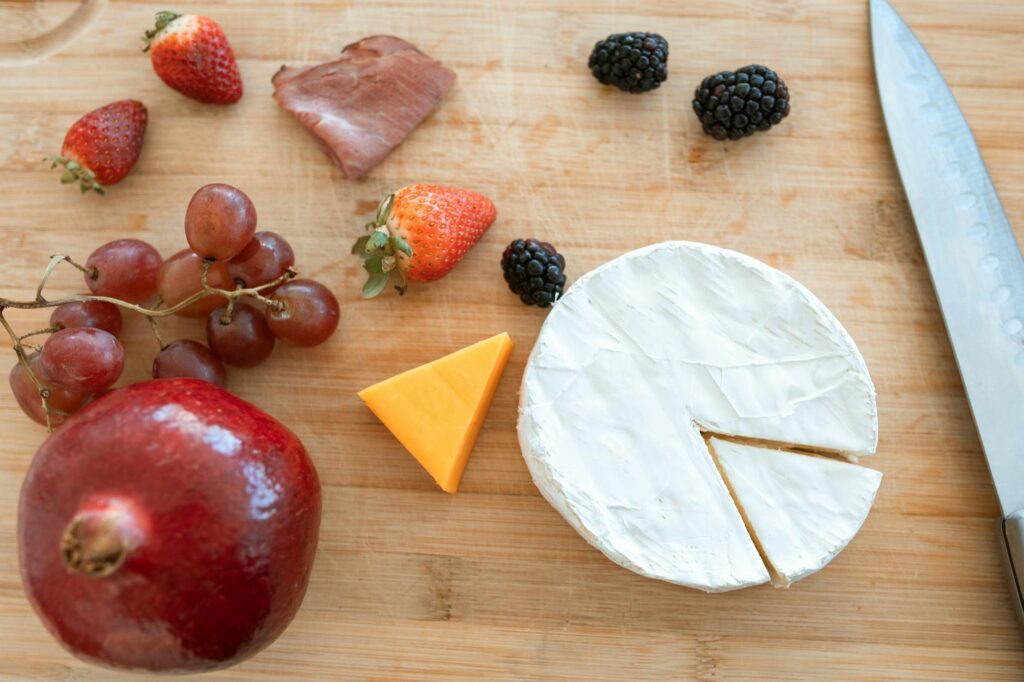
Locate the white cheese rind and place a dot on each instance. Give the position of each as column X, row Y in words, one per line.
column 803, row 509
column 706, row 338
column 643, row 488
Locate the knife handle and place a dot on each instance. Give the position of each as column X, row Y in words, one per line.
column 1011, row 539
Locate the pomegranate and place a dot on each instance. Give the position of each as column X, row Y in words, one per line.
column 168, row 526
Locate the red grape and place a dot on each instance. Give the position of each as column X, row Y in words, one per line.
column 220, row 221
column 98, row 314
column 82, row 359
column 187, row 358
column 245, row 341
column 265, row 259
column 309, row 314
column 27, row 395
column 125, row 269
column 180, row 277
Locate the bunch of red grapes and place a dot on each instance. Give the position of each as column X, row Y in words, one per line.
column 82, row 356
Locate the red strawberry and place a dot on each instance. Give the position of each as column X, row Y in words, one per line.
column 420, row 233
column 192, row 55
column 103, row 146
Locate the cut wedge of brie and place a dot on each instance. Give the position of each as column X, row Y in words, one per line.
column 648, row 351
column 802, row 509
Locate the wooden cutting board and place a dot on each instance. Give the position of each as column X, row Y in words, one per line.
column 411, row 583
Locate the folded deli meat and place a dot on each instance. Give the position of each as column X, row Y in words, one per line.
column 363, row 104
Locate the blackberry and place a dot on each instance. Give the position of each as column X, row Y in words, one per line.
column 534, row 270
column 634, row 62
column 737, row 104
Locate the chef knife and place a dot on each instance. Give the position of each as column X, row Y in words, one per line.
column 975, row 262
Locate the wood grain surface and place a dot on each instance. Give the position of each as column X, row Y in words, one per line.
column 411, row 583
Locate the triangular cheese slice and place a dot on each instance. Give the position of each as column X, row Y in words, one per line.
column 436, row 410
column 801, row 509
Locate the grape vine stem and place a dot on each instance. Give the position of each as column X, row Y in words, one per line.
column 38, row 332
column 152, row 314
column 153, row 327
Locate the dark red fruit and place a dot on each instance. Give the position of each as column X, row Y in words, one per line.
column 220, row 221
column 244, row 341
column 125, row 269
column 83, row 359
column 308, row 313
column 187, row 358
column 181, row 277
column 168, row 526
column 266, row 258
column 27, row 394
column 96, row 314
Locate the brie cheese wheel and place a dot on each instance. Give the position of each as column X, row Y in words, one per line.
column 648, row 351
column 801, row 509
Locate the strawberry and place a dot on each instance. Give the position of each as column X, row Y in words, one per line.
column 102, row 147
column 420, row 233
column 192, row 55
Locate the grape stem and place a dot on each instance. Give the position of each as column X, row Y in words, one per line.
column 152, row 314
column 271, row 303
column 229, row 310
column 156, row 333
column 48, row 330
column 56, row 260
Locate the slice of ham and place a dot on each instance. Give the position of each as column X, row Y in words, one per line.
column 362, row 105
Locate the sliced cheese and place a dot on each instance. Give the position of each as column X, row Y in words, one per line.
column 436, row 410
column 643, row 489
column 802, row 509
column 648, row 351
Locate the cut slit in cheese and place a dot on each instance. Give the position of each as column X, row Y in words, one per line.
column 801, row 509
column 796, row 448
column 773, row 575
column 436, row 410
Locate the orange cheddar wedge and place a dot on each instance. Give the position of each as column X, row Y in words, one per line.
column 436, row 409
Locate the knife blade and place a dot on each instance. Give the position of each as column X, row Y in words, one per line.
column 976, row 265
